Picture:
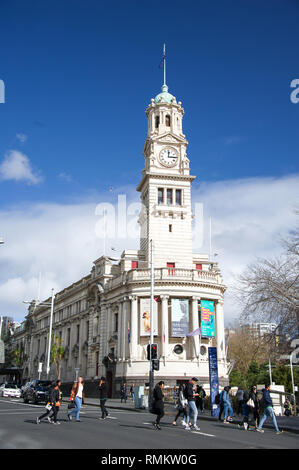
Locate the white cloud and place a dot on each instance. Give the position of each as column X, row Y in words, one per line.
column 16, row 166
column 248, row 218
column 21, row 137
column 65, row 177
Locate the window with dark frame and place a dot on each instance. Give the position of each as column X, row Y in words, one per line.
column 157, row 122
column 167, row 120
column 178, row 197
column 169, row 197
column 160, row 196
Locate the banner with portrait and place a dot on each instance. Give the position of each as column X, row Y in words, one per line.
column 145, row 317
column 207, row 317
column 179, row 317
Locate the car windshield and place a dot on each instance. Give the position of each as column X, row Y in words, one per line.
column 43, row 384
column 10, row 386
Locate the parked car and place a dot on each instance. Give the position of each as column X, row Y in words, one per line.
column 37, row 391
column 11, row 390
column 24, row 387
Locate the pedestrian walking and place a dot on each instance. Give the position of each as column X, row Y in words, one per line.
column 287, row 407
column 132, row 392
column 199, row 400
column 221, row 406
column 57, row 403
column 228, row 410
column 254, row 405
column 77, row 395
column 268, row 410
column 123, row 393
column 182, row 406
column 175, row 395
column 158, row 404
column 240, row 398
column 190, row 394
column 53, row 399
column 103, row 397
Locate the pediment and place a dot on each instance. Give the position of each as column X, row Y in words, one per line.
column 169, row 138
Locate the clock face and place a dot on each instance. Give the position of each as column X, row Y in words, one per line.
column 168, row 157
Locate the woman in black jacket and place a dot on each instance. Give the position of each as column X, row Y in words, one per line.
column 158, row 403
column 53, row 399
column 255, row 409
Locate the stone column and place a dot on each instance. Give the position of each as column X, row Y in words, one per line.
column 165, row 332
column 220, row 330
column 195, row 325
column 134, row 326
column 124, row 329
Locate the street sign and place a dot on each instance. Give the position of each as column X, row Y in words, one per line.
column 40, row 367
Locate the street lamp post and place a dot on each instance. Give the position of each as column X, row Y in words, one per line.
column 50, row 333
column 151, row 371
column 45, row 304
column 293, row 385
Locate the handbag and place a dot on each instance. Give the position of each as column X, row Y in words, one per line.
column 251, row 403
column 48, row 406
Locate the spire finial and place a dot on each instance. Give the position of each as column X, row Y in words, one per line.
column 163, row 64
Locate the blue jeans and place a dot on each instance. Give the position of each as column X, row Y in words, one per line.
column 228, row 411
column 192, row 409
column 268, row 412
column 78, row 402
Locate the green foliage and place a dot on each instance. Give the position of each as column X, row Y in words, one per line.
column 281, row 374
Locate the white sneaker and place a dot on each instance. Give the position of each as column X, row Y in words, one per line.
column 196, row 428
column 245, row 426
column 184, row 423
column 187, row 427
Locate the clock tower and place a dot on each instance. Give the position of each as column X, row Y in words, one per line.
column 165, row 187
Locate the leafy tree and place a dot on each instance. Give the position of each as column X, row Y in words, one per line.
column 57, row 353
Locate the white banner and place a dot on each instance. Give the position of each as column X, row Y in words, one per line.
column 145, row 317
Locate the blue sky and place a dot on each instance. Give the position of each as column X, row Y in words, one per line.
column 79, row 74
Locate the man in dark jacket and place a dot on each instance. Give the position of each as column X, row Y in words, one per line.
column 268, row 410
column 158, row 403
column 103, row 397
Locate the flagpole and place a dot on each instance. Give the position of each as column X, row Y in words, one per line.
column 164, row 62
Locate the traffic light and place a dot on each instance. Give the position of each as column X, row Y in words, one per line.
column 156, row 364
column 154, row 351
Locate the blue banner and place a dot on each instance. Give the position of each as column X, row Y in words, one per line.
column 207, row 317
column 214, row 381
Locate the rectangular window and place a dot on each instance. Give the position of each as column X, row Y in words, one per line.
column 78, row 333
column 68, row 337
column 178, row 197
column 134, row 264
column 169, row 197
column 38, row 347
column 116, row 322
column 87, row 330
column 170, row 228
column 199, row 266
column 160, row 196
column 171, row 267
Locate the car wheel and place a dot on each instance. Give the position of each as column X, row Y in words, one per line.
column 25, row 400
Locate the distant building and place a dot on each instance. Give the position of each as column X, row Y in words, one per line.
column 259, row 329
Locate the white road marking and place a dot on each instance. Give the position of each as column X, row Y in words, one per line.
column 203, row 433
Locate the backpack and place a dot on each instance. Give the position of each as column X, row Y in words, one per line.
column 217, row 399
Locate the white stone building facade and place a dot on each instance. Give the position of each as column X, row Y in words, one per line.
column 100, row 319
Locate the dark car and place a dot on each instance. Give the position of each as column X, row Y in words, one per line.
column 37, row 391
column 24, row 387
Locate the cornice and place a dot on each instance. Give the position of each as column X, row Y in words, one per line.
column 147, row 175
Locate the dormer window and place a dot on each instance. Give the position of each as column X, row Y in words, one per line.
column 167, row 120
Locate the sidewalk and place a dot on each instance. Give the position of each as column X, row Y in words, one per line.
column 290, row 424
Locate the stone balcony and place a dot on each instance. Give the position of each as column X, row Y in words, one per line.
column 173, row 275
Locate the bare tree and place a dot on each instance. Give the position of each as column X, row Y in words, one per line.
column 269, row 289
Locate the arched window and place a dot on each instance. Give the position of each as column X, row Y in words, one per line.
column 157, row 122
column 167, row 120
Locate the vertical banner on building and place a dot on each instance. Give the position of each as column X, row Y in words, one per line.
column 2, row 352
column 207, row 316
column 179, row 317
column 214, row 381
column 145, row 317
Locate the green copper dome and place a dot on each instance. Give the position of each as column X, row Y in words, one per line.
column 164, row 96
